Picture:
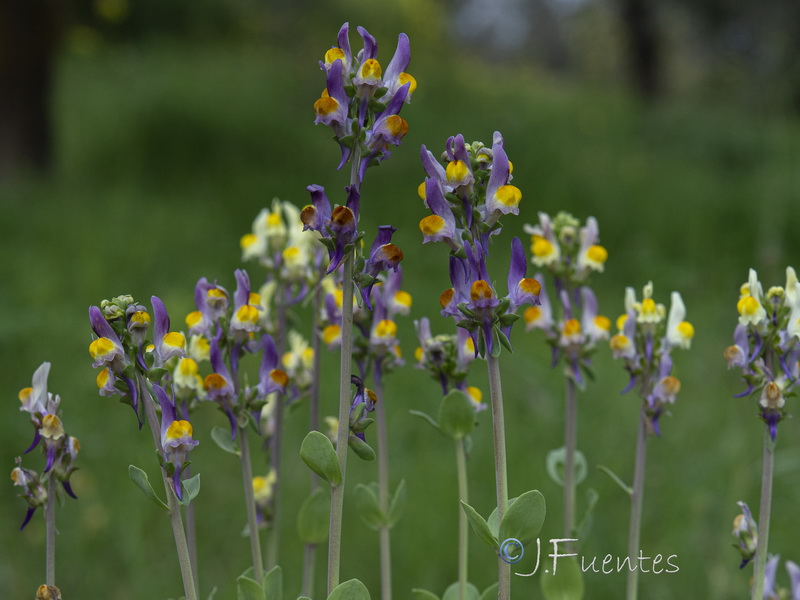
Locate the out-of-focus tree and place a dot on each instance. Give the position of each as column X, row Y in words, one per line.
column 28, row 41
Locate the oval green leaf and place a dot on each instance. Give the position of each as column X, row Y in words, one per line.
column 222, row 438
column 141, row 480
column 318, row 454
column 456, row 415
column 524, row 518
column 313, row 519
column 248, row 589
column 566, row 584
column 369, row 508
column 479, row 526
column 452, row 592
column 362, row 449
column 350, row 590
column 273, row 584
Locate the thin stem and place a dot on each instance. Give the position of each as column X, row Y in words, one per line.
column 570, row 442
column 250, row 505
column 277, row 437
column 463, row 524
column 310, row 552
column 50, row 525
column 636, row 505
column 191, row 534
column 176, row 521
column 383, row 485
column 345, row 371
column 501, row 476
column 764, row 511
column 309, row 560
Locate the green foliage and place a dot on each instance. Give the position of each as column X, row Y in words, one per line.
column 222, row 438
column 273, row 584
column 142, row 481
column 555, row 466
column 456, row 415
column 362, row 449
column 566, row 584
column 453, row 592
column 350, row 590
column 190, row 487
column 479, row 526
column 419, row 594
column 313, row 517
column 249, row 589
column 368, row 506
column 524, row 518
column 318, row 454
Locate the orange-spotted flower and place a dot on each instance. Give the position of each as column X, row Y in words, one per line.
column 176, row 439
column 270, row 378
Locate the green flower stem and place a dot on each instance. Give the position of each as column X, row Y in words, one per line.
column 384, row 532
column 191, row 534
column 178, row 533
column 250, row 505
column 345, row 371
column 570, row 443
column 501, row 475
column 275, row 443
column 310, row 552
column 50, row 525
column 337, row 492
column 463, row 524
column 764, row 510
column 309, row 561
column 636, row 505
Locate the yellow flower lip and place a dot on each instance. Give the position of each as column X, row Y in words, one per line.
column 334, row 54
column 532, row 314
column 247, row 314
column 325, row 105
column 405, row 78
column 541, row 246
column 530, row 286
column 188, row 366
column 421, row 191
column 597, row 254
column 247, row 240
column 140, row 317
column 193, row 318
column 481, row 290
column 620, row 342
column 371, row 69
column 101, row 347
column 508, row 195
column 343, row 216
column 216, row 293
column 456, row 170
column 747, row 305
column 214, row 381
column 52, row 427
column 446, row 297
column 102, row 378
column 671, row 385
column 572, row 327
column 686, row 329
column 386, row 329
column 179, row 429
column 25, row 394
column 279, row 377
column 402, row 297
column 431, row 225
column 175, row 339
column 397, row 125
column 602, row 322
column 331, row 333
column 475, row 393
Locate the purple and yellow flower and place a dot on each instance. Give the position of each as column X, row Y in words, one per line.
column 745, row 530
column 33, row 491
column 176, row 438
column 168, row 344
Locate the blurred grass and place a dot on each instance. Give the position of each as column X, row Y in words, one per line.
column 167, row 152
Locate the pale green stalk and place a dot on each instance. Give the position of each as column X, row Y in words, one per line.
column 275, row 443
column 764, row 510
column 570, row 443
column 463, row 524
column 343, row 433
column 636, row 505
column 172, row 502
column 250, row 505
column 50, row 527
column 310, row 552
column 191, row 534
column 384, row 532
column 501, row 476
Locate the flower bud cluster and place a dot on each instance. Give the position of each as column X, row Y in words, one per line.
column 645, row 341
column 766, row 345
column 569, row 253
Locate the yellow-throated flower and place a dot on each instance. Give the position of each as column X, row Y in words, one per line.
column 176, row 438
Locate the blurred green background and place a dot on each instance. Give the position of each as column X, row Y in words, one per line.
column 173, row 124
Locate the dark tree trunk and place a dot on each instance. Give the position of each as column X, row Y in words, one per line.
column 644, row 59
column 28, row 38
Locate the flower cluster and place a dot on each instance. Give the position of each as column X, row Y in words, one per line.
column 361, row 101
column 59, row 448
column 467, row 197
column 231, row 327
column 132, row 363
column 446, row 357
column 570, row 254
column 645, row 341
column 766, row 347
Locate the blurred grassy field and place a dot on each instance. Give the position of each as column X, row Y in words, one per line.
column 167, row 152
